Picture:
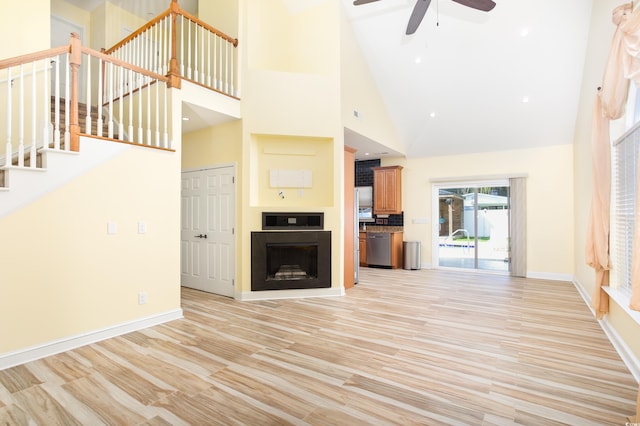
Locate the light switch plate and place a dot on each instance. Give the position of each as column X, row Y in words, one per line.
column 112, row 228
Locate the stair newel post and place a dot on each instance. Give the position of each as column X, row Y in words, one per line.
column 174, row 71
column 75, row 60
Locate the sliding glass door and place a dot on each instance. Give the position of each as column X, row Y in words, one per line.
column 473, row 226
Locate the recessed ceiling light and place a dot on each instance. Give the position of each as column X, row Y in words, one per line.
column 366, row 153
column 432, row 115
column 524, row 32
column 525, row 100
column 418, row 60
column 185, row 118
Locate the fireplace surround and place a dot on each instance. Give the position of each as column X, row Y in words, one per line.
column 299, row 258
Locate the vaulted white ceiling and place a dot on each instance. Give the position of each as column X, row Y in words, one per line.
column 470, row 81
column 466, row 81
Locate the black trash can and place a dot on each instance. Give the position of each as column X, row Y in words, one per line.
column 411, row 250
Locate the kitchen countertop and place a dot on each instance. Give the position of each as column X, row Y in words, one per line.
column 378, row 228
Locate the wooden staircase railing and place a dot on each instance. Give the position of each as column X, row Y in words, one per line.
column 44, row 91
column 181, row 46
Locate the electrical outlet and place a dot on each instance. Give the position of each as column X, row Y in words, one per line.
column 142, row 298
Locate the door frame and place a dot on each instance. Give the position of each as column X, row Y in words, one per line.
column 234, row 166
column 436, row 185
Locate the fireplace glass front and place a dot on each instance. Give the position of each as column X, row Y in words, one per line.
column 290, row 260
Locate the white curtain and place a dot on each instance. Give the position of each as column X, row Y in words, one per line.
column 518, row 226
column 623, row 65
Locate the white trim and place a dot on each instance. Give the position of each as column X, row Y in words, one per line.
column 211, row 167
column 475, row 180
column 290, row 294
column 622, row 299
column 11, row 359
column 626, row 354
column 549, row 276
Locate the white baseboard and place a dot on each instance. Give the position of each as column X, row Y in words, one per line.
column 626, row 354
column 550, row 276
column 290, row 294
column 33, row 353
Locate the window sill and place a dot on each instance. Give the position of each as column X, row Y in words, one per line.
column 621, row 297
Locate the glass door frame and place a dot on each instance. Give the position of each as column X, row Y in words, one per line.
column 436, row 186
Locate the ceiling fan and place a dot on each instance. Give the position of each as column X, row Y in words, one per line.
column 421, row 7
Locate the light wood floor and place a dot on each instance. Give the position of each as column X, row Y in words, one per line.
column 403, row 347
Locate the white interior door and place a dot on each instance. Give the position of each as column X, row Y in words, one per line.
column 208, row 234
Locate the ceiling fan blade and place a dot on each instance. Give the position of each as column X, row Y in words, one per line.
column 483, row 5
column 359, row 2
column 418, row 13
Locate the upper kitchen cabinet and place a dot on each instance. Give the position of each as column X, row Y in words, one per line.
column 387, row 190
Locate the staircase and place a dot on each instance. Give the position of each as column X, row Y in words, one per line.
column 82, row 119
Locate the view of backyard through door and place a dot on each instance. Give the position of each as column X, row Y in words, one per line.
column 207, row 240
column 473, row 229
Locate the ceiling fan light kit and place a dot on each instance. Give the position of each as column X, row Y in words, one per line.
column 420, row 9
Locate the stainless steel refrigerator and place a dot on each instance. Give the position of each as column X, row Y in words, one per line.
column 356, row 236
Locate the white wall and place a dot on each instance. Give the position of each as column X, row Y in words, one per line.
column 550, row 243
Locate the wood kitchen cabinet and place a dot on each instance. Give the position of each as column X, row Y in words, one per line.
column 396, row 250
column 387, row 190
column 362, row 244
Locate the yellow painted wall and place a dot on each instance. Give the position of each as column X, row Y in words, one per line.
column 221, row 144
column 314, row 155
column 63, row 275
column 222, row 14
column 20, row 38
column 72, row 13
column 600, row 36
column 291, row 96
column 360, row 93
column 550, row 242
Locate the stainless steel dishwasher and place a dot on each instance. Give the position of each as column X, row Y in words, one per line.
column 379, row 248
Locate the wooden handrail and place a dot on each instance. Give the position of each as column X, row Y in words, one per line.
column 115, row 61
column 25, row 59
column 208, row 27
column 139, row 31
column 174, row 10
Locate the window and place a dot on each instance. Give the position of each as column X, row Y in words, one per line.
column 624, row 172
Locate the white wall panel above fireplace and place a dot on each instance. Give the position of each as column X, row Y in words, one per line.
column 281, row 178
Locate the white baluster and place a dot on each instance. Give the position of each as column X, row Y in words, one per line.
column 9, row 150
column 226, row 68
column 232, row 74
column 56, row 121
column 67, row 109
column 21, row 119
column 157, row 113
column 209, row 58
column 182, row 46
column 195, row 52
column 159, row 47
column 100, row 123
column 189, row 52
column 46, row 102
column 202, row 69
column 121, row 104
column 166, row 120
column 215, row 61
column 130, row 128
column 140, row 133
column 149, row 141
column 110, row 122
column 88, row 117
column 32, row 151
column 169, row 44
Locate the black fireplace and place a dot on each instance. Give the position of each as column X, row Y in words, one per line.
column 296, row 259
